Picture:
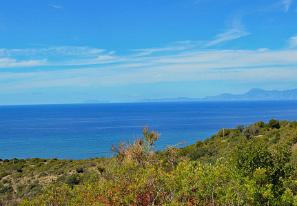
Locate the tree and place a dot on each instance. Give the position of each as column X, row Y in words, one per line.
column 274, row 124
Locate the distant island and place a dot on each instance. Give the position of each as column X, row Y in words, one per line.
column 257, row 95
column 254, row 94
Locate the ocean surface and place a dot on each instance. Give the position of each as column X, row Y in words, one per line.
column 90, row 130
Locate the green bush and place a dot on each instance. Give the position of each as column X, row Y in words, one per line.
column 73, row 180
column 6, row 188
column 251, row 131
column 274, row 124
column 80, row 170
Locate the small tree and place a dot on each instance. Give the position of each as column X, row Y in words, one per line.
column 274, row 124
column 251, row 131
column 140, row 151
column 150, row 136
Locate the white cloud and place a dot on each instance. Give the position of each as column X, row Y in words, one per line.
column 235, row 32
column 59, row 56
column 293, row 42
column 12, row 63
column 55, row 6
column 79, row 51
column 176, row 46
column 182, row 61
column 231, row 65
column 229, row 35
column 286, row 4
column 96, row 60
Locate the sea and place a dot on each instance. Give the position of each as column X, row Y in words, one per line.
column 81, row 131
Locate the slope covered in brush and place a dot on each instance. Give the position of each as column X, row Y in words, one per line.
column 254, row 165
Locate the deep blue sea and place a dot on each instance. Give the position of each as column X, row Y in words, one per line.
column 90, row 130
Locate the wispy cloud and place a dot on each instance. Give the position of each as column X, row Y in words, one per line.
column 229, row 35
column 293, row 42
column 56, row 56
column 194, row 65
column 173, row 47
column 236, row 31
column 179, row 61
column 286, row 4
column 13, row 63
column 55, row 6
column 60, row 50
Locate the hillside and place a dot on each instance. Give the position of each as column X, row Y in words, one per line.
column 254, row 165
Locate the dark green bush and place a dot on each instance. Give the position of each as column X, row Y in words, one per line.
column 73, row 180
column 274, row 124
column 80, row 170
column 7, row 188
column 260, row 124
column 101, row 169
column 240, row 128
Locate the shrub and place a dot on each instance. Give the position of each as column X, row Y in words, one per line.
column 251, row 131
column 240, row 128
column 141, row 151
column 260, row 124
column 19, row 170
column 274, row 124
column 73, row 180
column 224, row 132
column 80, row 170
column 101, row 169
column 7, row 188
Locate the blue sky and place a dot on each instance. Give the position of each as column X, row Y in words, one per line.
column 67, row 51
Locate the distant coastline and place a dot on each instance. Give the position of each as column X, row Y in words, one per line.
column 152, row 101
column 252, row 95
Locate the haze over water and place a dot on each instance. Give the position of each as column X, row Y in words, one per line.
column 85, row 131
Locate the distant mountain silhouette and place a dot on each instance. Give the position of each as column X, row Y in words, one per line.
column 257, row 95
column 252, row 95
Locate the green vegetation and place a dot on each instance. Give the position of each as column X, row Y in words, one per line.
column 254, row 165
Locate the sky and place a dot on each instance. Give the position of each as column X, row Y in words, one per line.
column 82, row 51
